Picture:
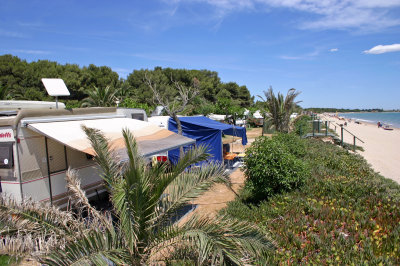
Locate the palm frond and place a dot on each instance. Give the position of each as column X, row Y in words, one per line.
column 217, row 240
column 125, row 194
column 224, row 239
column 104, row 157
column 100, row 96
column 74, row 185
column 127, row 215
column 191, row 157
column 188, row 186
column 36, row 217
column 280, row 108
column 93, row 248
column 36, row 227
column 22, row 244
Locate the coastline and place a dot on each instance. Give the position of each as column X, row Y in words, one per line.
column 371, row 120
column 381, row 147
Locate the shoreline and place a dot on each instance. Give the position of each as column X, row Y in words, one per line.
column 373, row 122
column 381, row 147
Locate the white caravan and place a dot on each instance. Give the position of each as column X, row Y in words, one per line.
column 17, row 105
column 38, row 146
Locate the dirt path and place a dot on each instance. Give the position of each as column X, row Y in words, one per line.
column 217, row 198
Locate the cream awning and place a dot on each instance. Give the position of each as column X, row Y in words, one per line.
column 150, row 138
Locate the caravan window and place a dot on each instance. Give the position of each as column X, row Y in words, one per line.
column 138, row 116
column 6, row 155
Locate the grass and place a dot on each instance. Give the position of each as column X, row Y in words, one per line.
column 345, row 213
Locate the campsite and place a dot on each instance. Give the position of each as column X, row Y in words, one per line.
column 254, row 195
column 42, row 144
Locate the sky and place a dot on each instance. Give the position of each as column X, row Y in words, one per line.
column 338, row 53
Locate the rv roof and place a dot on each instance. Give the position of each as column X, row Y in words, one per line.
column 17, row 105
column 13, row 121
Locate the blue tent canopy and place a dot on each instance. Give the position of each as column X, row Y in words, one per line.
column 206, row 132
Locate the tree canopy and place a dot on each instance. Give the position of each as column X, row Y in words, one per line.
column 211, row 89
column 21, row 80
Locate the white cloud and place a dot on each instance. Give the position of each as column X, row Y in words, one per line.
column 381, row 49
column 31, row 52
column 368, row 15
column 222, row 4
column 11, row 34
column 334, row 50
column 287, row 57
column 307, row 56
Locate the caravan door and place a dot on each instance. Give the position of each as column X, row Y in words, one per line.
column 8, row 182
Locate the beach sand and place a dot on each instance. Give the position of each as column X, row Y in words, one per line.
column 381, row 147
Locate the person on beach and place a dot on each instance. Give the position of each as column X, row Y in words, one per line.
column 379, row 124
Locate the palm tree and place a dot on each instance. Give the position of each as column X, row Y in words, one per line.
column 145, row 202
column 104, row 97
column 280, row 108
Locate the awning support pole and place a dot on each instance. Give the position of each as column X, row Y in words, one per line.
column 48, row 171
column 19, row 165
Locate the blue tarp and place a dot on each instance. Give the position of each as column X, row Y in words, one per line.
column 206, row 132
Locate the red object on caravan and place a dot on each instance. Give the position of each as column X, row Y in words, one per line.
column 162, row 158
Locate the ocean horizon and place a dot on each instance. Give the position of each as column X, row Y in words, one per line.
column 392, row 118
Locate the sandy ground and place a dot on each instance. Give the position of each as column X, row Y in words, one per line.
column 219, row 195
column 381, row 147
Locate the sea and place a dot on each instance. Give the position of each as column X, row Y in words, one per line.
column 391, row 118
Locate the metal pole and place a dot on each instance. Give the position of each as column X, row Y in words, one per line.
column 222, row 149
column 56, row 102
column 233, row 137
column 65, row 155
column 341, row 127
column 319, row 126
column 19, row 164
column 48, row 171
column 262, row 130
column 354, row 143
column 326, row 128
column 313, row 128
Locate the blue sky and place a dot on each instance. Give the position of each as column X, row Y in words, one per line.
column 339, row 53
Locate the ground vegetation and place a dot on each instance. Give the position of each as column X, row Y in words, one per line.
column 345, row 213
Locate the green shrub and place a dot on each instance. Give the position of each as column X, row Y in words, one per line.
column 294, row 144
column 302, row 125
column 69, row 104
column 130, row 103
column 271, row 168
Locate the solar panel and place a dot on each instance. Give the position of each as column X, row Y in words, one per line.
column 55, row 87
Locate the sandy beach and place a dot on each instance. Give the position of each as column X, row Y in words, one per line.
column 381, row 147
